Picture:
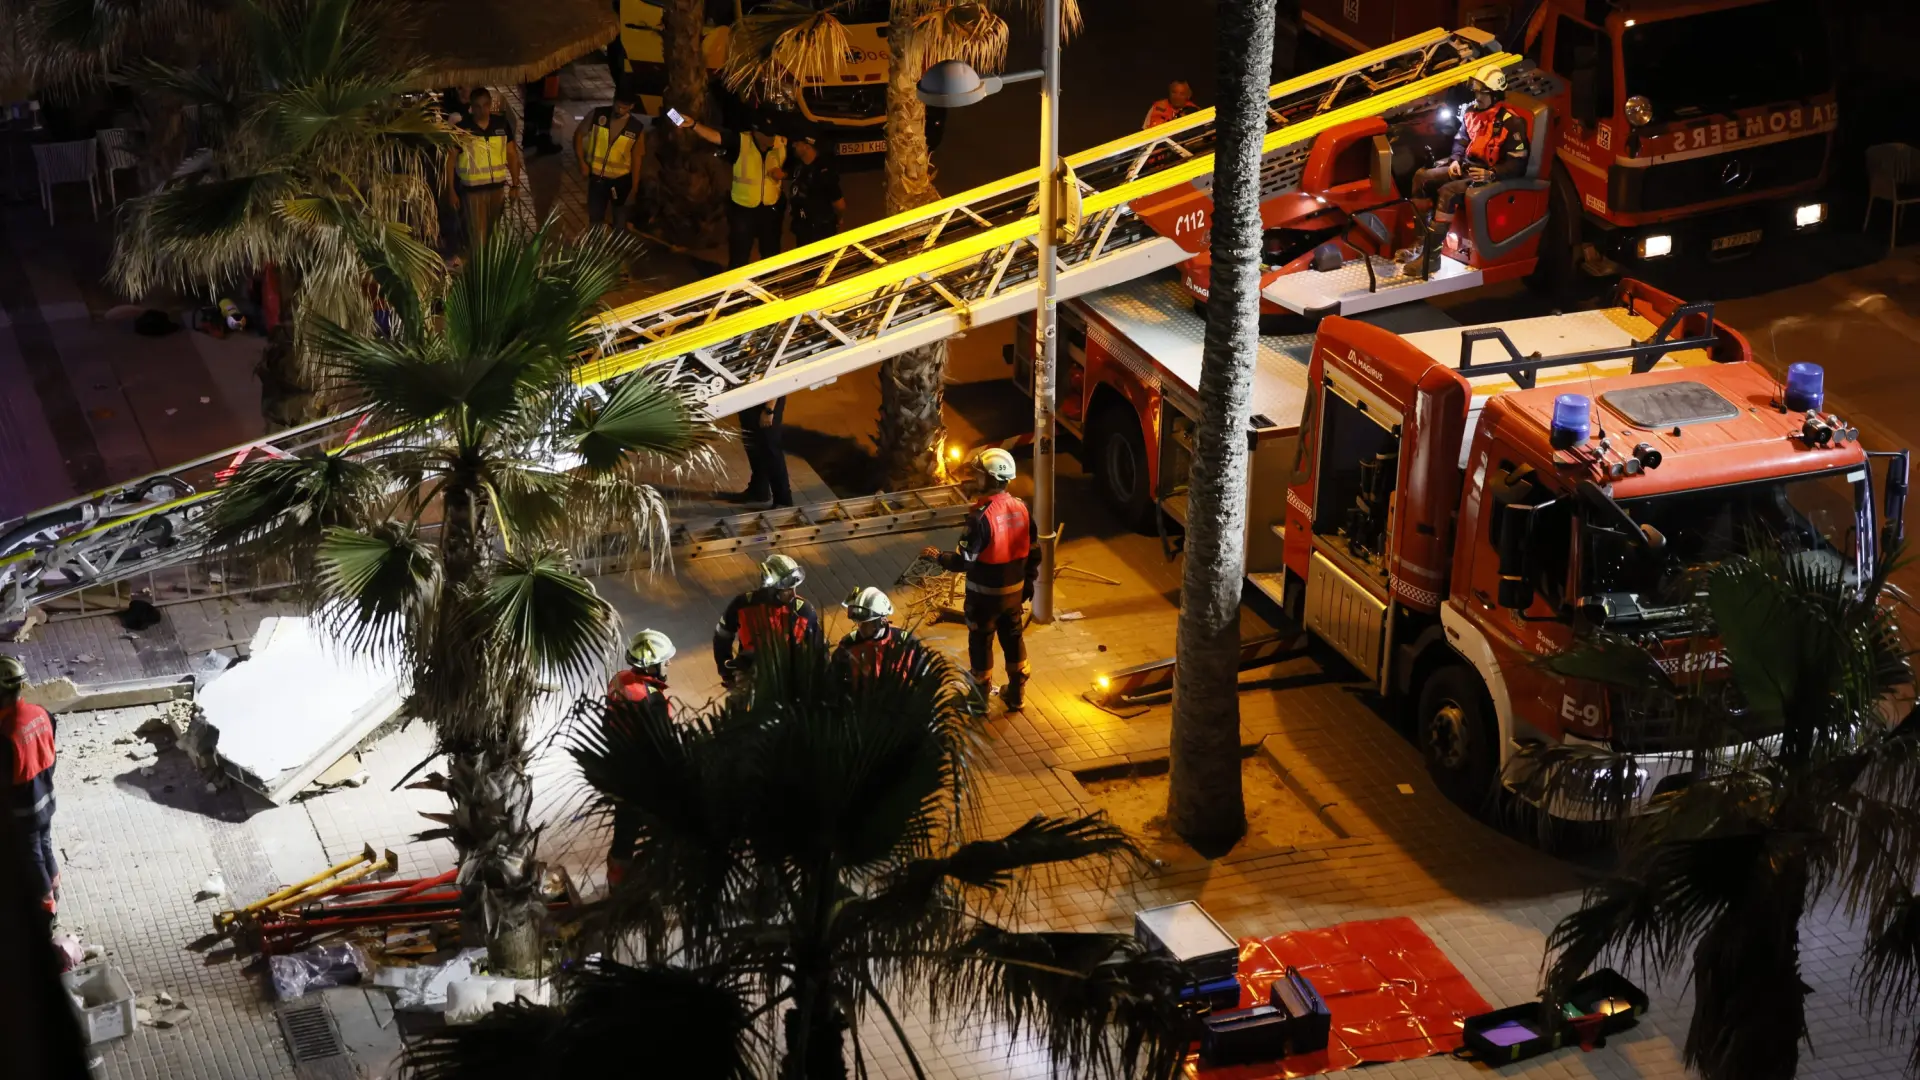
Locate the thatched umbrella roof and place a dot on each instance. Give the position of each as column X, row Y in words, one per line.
column 500, row 42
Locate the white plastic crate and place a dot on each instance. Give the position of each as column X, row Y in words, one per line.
column 105, row 1007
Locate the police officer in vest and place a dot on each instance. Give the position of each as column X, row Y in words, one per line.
column 607, row 144
column 28, row 732
column 755, row 212
column 1490, row 145
column 642, row 685
column 773, row 608
column 872, row 635
column 1000, row 554
column 483, row 168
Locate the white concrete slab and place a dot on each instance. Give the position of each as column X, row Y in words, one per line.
column 295, row 706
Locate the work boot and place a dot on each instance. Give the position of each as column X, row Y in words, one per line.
column 1011, row 695
column 1430, row 247
column 982, row 681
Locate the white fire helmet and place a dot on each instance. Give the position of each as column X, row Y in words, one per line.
column 866, row 605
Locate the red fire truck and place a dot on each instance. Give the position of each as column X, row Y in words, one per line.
column 1443, row 507
column 1689, row 128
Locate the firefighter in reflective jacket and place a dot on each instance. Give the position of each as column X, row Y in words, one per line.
column 30, row 756
column 1490, row 145
column 873, row 636
column 1000, row 554
column 642, row 685
column 775, row 607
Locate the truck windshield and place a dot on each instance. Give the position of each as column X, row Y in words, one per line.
column 1819, row 518
column 1716, row 61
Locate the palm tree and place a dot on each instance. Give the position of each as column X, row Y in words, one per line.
column 692, row 184
column 1204, row 802
column 1815, row 803
column 317, row 156
column 807, row 836
column 488, row 431
column 792, row 40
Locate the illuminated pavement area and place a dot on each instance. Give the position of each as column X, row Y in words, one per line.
column 136, row 846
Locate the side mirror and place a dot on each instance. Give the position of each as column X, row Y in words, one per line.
column 1516, row 530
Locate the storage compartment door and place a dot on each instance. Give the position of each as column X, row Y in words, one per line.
column 1341, row 612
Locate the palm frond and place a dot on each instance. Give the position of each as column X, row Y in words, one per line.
column 783, row 45
column 643, row 416
column 965, row 31
column 511, row 1042
column 377, row 582
column 1612, row 660
column 1034, row 12
column 1889, row 970
column 1101, row 1004
column 548, row 619
column 292, row 502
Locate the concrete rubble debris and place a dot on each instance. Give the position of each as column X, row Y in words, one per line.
column 296, row 707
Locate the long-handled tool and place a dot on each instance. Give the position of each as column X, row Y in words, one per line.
column 388, row 861
column 224, row 919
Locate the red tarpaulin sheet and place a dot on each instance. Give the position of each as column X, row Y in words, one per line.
column 1393, row 994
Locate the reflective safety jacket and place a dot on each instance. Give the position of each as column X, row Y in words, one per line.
column 752, row 184
column 483, row 153
column 757, row 612
column 610, row 155
column 1000, row 552
column 1164, row 112
column 30, row 743
column 631, row 686
column 858, row 655
column 1494, row 138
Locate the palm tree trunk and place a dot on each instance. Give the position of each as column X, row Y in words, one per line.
column 1204, row 804
column 1749, row 1002
column 816, row 1036
column 913, row 384
column 689, row 197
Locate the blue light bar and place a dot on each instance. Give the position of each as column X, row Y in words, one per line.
column 1806, row 387
column 1572, row 421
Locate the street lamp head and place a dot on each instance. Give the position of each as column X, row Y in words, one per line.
column 953, row 83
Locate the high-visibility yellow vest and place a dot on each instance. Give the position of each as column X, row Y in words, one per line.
column 483, row 155
column 751, row 184
column 608, row 156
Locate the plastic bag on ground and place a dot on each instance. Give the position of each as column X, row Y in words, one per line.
column 317, row 968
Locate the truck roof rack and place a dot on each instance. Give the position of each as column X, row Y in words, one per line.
column 1525, row 370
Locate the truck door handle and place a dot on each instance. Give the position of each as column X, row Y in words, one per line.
column 1481, row 595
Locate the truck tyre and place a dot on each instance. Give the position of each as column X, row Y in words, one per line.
column 1458, row 736
column 1558, row 267
column 1119, row 460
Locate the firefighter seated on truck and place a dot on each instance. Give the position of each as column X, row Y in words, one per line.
column 1000, row 555
column 642, row 685
column 873, row 638
column 775, row 607
column 1490, row 145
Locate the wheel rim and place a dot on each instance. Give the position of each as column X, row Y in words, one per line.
column 1447, row 736
column 1123, row 473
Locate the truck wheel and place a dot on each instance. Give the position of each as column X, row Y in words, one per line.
column 1119, row 460
column 1558, row 267
column 1457, row 735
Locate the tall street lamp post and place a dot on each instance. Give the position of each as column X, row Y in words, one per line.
column 954, row 83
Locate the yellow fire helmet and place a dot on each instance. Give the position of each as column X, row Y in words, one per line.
column 1493, row 77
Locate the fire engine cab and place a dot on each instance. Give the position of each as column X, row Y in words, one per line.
column 1444, row 506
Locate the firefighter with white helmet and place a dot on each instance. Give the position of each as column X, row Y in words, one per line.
column 28, row 731
column 1492, row 144
column 642, row 685
column 1000, row 554
column 775, row 608
column 872, row 636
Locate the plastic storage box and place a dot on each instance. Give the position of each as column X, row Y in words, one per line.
column 106, row 1001
column 1187, row 933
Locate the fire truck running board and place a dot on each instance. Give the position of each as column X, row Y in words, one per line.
column 1145, row 683
column 820, row 523
column 1345, row 292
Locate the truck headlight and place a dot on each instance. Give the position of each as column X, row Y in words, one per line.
column 1656, row 246
column 1639, row 111
column 1806, row 217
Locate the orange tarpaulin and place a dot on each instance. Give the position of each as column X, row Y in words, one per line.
column 1393, row 994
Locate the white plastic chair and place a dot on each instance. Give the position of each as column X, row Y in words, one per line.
column 116, row 150
column 1893, row 174
column 68, row 163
